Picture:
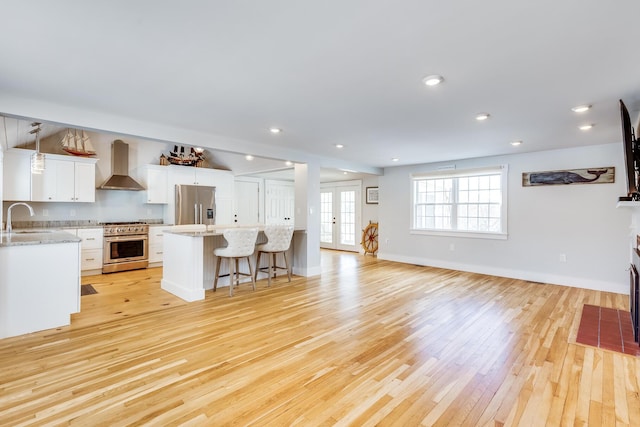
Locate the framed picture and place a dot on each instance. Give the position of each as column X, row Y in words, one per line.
column 601, row 175
column 372, row 195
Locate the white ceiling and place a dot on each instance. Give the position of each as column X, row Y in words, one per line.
column 328, row 72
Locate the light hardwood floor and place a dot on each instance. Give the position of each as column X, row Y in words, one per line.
column 368, row 342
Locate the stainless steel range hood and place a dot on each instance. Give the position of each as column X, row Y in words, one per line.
column 120, row 179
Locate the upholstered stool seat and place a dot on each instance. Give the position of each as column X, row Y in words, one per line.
column 278, row 241
column 240, row 244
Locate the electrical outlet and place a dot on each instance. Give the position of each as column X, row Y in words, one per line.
column 148, row 211
column 452, row 247
column 45, row 212
column 72, row 212
column 563, row 257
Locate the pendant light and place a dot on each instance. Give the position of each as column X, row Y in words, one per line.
column 37, row 158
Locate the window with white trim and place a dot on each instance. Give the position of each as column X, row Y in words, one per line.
column 469, row 201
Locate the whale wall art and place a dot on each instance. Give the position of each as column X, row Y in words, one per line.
column 603, row 175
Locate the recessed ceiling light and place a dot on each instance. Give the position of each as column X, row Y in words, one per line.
column 275, row 130
column 516, row 143
column 345, row 173
column 586, row 127
column 395, row 159
column 248, row 157
column 339, row 146
column 581, row 108
column 288, row 163
column 482, row 116
column 433, row 80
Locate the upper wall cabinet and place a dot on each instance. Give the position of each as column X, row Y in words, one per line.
column 200, row 176
column 16, row 175
column 157, row 184
column 65, row 179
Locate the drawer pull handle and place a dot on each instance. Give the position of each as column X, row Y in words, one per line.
column 89, row 259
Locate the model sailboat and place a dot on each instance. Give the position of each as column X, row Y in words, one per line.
column 77, row 143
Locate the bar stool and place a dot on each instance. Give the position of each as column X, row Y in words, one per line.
column 278, row 241
column 240, row 244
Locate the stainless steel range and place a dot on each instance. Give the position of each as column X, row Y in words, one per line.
column 126, row 246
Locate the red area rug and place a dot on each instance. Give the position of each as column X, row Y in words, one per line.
column 607, row 328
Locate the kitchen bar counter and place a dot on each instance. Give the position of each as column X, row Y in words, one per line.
column 189, row 262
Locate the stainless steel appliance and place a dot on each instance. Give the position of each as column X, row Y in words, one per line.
column 195, row 204
column 126, row 246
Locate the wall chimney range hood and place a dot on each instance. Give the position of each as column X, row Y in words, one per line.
column 120, row 179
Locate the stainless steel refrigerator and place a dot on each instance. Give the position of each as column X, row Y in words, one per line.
column 195, row 204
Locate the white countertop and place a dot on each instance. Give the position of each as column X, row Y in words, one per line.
column 36, row 237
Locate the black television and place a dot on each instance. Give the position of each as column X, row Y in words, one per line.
column 631, row 154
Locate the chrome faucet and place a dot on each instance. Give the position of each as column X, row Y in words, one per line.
column 9, row 214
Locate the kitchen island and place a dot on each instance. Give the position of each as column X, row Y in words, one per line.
column 39, row 280
column 189, row 263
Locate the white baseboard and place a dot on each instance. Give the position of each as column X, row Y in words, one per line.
column 188, row 295
column 306, row 272
column 531, row 276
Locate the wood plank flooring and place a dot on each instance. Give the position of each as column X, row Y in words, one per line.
column 368, row 342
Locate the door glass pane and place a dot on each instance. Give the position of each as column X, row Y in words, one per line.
column 326, row 217
column 348, row 217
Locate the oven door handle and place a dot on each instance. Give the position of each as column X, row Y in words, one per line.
column 126, row 238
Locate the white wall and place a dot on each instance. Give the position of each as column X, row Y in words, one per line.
column 580, row 221
column 369, row 211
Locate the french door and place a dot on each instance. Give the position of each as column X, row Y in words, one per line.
column 340, row 217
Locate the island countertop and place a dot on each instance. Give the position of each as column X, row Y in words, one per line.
column 36, row 237
column 201, row 230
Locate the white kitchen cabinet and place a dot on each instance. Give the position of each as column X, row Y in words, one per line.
column 40, row 286
column 85, row 182
column 64, row 180
column 182, row 175
column 190, row 175
column 16, row 175
column 156, row 236
column 157, row 184
column 91, row 248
